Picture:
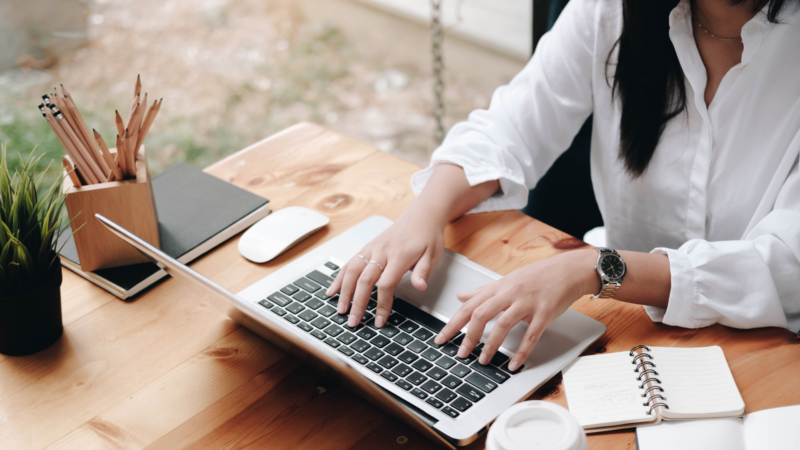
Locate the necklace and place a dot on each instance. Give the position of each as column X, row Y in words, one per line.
column 735, row 39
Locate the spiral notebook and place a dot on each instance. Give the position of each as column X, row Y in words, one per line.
column 651, row 384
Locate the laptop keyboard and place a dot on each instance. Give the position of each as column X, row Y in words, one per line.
column 402, row 352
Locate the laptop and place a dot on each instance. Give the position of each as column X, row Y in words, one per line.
column 398, row 367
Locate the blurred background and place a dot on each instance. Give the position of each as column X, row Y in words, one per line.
column 232, row 72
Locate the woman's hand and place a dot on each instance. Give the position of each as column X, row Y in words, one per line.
column 536, row 294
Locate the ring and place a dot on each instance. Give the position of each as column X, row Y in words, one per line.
column 376, row 263
column 365, row 259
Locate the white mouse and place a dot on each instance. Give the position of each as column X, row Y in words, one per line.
column 278, row 232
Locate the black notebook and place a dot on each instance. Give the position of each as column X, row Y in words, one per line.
column 196, row 212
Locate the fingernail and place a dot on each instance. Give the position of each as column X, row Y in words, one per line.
column 484, row 358
column 439, row 338
column 352, row 321
column 379, row 321
column 342, row 308
column 513, row 365
column 462, row 352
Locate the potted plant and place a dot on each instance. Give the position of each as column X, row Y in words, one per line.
column 30, row 270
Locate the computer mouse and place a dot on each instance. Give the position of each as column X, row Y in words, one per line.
column 278, row 232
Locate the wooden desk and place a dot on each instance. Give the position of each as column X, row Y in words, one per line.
column 169, row 371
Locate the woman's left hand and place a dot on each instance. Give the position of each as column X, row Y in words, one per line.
column 537, row 293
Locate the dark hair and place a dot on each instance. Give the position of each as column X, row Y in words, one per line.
column 649, row 80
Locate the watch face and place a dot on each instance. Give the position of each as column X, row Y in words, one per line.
column 612, row 266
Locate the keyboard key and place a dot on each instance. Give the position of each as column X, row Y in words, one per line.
column 374, row 367
column 481, row 383
column 395, row 319
column 477, row 350
column 326, row 310
column 458, row 339
column 359, row 359
column 314, row 303
column 446, row 395
column 318, row 334
column 320, row 322
column 308, row 315
column 266, row 304
column 422, row 365
column 367, row 333
column 389, row 375
column 374, row 354
column 323, row 296
column 404, row 384
column 417, row 315
column 408, row 357
column 335, row 274
column 366, row 317
column 466, row 361
column 402, row 370
column 305, row 327
column 450, row 412
column 320, row 278
column 278, row 311
column 360, row 346
column 295, row 308
column 403, row 338
column 445, row 363
column 431, row 354
column 388, row 362
column 339, row 319
column 308, row 285
column 461, row 404
column 380, row 341
column 416, row 378
column 371, row 305
column 331, row 266
column 409, row 326
column 452, row 382
column 472, row 394
column 334, row 331
column 290, row 289
column 416, row 346
column 505, row 368
column 431, row 387
column 393, row 349
column 346, row 350
column 424, row 334
column 332, row 342
column 279, row 299
column 353, row 329
column 389, row 331
column 291, row 318
column 493, row 373
column 418, row 392
column 435, row 403
column 460, row 370
column 449, row 350
column 347, row 338
column 436, row 373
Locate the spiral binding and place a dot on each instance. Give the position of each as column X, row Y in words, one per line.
column 654, row 394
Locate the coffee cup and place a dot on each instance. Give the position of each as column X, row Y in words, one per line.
column 536, row 425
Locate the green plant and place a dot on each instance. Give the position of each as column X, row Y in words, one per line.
column 30, row 226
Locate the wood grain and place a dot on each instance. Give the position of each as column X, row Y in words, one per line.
column 168, row 371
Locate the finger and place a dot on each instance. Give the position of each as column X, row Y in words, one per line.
column 465, row 296
column 353, row 270
column 532, row 335
column 337, row 282
column 388, row 281
column 423, row 267
column 369, row 276
column 488, row 310
column 510, row 317
column 459, row 319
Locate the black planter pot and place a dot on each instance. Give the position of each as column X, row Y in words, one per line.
column 31, row 321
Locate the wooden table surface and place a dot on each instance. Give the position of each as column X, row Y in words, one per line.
column 169, row 371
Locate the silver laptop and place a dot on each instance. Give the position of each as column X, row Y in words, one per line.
column 399, row 367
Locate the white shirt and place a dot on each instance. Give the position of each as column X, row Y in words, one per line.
column 721, row 196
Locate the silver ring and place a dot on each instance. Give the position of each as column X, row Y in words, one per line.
column 365, row 259
column 376, row 263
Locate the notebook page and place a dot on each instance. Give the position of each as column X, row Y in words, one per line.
column 709, row 434
column 602, row 391
column 697, row 382
column 773, row 429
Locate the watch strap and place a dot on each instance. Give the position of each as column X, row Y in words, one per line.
column 609, row 289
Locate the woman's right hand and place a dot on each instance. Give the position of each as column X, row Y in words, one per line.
column 415, row 241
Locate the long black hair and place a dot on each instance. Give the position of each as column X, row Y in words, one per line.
column 649, row 80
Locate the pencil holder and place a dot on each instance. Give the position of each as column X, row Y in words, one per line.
column 130, row 203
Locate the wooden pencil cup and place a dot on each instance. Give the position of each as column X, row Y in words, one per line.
column 129, row 203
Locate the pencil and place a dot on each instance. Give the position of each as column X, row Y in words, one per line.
column 131, row 161
column 138, row 87
column 148, row 121
column 71, row 172
column 107, row 155
column 85, row 153
column 70, row 146
column 91, row 145
column 121, row 155
column 132, row 130
column 56, row 130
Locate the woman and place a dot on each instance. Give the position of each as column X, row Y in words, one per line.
column 694, row 164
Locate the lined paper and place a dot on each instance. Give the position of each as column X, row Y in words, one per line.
column 602, row 390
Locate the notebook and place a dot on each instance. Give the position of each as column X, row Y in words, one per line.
column 196, row 212
column 650, row 384
column 771, row 429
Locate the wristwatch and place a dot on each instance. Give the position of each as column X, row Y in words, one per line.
column 611, row 269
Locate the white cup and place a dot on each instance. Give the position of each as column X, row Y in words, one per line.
column 536, row 425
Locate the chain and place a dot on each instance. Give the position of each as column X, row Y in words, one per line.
column 438, row 67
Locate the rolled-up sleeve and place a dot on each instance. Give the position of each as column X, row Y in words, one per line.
column 749, row 283
column 532, row 120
